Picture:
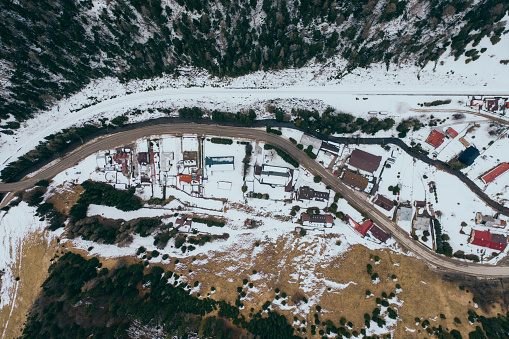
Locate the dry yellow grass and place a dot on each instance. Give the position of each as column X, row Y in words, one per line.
column 293, row 270
column 32, row 271
column 290, row 264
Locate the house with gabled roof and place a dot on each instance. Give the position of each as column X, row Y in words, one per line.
column 435, row 138
column 379, row 234
column 451, row 132
column 383, row 202
column 316, row 220
column 355, row 180
column 495, row 173
column 365, row 161
column 486, row 239
column 363, row 228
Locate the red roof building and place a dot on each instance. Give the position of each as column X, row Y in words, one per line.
column 122, row 158
column 364, row 227
column 492, row 175
column 361, row 228
column 435, row 138
column 451, row 132
column 476, row 103
column 486, row 239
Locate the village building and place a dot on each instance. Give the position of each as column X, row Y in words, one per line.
column 190, row 158
column 143, row 158
column 182, row 222
column 364, row 160
column 379, row 234
column 451, row 132
column 468, row 156
column 489, row 221
column 308, row 193
column 486, row 239
column 355, row 180
column 145, row 180
column 435, row 138
column 404, row 213
column 383, row 202
column 464, row 142
column 476, row 102
column 495, row 173
column 100, row 158
column 363, row 228
column 275, row 175
column 328, row 147
column 220, row 164
column 317, row 220
column 420, row 204
column 492, row 104
column 422, row 223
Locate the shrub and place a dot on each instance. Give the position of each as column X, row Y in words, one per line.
column 221, row 141
column 317, row 179
column 273, row 131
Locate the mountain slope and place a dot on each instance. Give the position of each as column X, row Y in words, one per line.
column 50, row 49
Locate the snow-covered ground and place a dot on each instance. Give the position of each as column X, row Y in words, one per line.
column 314, row 86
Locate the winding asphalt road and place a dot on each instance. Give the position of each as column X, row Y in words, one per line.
column 353, row 197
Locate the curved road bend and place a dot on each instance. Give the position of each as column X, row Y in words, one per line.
column 353, row 197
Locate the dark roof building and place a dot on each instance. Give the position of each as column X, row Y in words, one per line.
column 492, row 104
column 355, row 180
column 468, row 156
column 365, row 161
column 420, row 203
column 384, row 202
column 317, row 219
column 182, row 222
column 143, row 158
column 329, row 147
column 190, row 155
column 379, row 234
column 308, row 193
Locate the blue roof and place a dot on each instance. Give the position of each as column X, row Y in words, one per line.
column 228, row 160
column 468, row 156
